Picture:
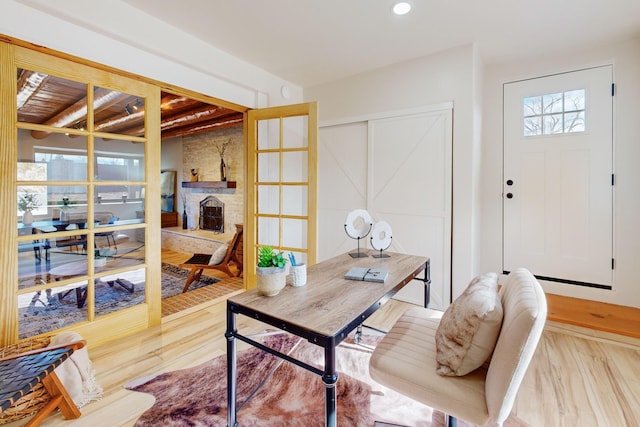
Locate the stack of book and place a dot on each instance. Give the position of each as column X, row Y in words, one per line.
column 367, row 274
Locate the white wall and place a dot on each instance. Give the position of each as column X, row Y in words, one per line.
column 443, row 77
column 625, row 56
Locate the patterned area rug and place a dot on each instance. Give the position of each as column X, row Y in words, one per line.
column 45, row 313
column 290, row 396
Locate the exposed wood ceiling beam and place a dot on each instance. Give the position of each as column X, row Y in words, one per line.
column 62, row 104
column 234, row 120
column 120, row 121
column 29, row 83
column 102, row 98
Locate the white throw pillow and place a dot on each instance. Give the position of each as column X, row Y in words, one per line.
column 219, row 254
column 469, row 329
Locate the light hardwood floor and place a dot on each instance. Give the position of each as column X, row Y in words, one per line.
column 579, row 376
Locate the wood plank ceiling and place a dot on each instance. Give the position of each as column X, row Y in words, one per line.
column 54, row 101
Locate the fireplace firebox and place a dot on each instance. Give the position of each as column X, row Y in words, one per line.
column 212, row 214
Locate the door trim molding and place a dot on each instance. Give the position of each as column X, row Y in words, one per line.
column 388, row 114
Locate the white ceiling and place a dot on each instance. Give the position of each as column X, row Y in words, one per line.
column 309, row 42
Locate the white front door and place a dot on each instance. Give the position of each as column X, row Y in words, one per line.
column 558, row 172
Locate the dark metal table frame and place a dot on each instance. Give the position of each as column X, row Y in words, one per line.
column 329, row 343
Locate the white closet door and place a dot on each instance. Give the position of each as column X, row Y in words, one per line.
column 410, row 188
column 342, row 184
column 399, row 169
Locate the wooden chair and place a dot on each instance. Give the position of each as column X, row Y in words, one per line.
column 21, row 373
column 200, row 262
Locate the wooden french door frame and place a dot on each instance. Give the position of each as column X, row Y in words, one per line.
column 101, row 329
column 280, row 183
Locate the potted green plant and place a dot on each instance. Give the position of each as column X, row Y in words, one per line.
column 27, row 203
column 271, row 275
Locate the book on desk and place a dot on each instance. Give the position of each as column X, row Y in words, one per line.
column 367, row 274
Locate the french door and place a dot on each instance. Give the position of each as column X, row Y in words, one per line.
column 558, row 177
column 281, row 207
column 74, row 195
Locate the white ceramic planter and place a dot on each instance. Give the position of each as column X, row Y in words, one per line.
column 270, row 280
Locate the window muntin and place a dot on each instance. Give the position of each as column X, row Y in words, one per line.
column 554, row 113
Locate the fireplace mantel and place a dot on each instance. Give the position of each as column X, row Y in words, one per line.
column 208, row 184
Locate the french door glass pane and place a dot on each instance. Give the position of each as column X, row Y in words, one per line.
column 62, row 102
column 294, row 166
column 59, row 157
column 294, row 132
column 268, row 231
column 119, row 291
column 118, row 113
column 294, row 198
column 268, row 167
column 268, row 134
column 268, row 199
column 53, row 308
column 294, row 233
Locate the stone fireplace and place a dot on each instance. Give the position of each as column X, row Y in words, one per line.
column 212, row 214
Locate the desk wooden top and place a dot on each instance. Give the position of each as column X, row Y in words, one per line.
column 329, row 302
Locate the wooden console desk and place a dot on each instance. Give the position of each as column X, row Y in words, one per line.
column 324, row 312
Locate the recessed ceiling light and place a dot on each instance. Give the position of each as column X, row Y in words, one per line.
column 401, row 8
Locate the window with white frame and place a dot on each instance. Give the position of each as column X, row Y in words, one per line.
column 555, row 113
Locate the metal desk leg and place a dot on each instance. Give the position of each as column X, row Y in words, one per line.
column 330, row 378
column 427, row 284
column 231, row 369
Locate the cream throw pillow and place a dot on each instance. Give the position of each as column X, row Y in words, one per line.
column 219, row 254
column 469, row 329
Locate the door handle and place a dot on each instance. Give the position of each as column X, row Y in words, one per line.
column 509, row 196
column 509, row 182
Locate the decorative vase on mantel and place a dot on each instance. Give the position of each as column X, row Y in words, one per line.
column 223, row 170
column 185, row 220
